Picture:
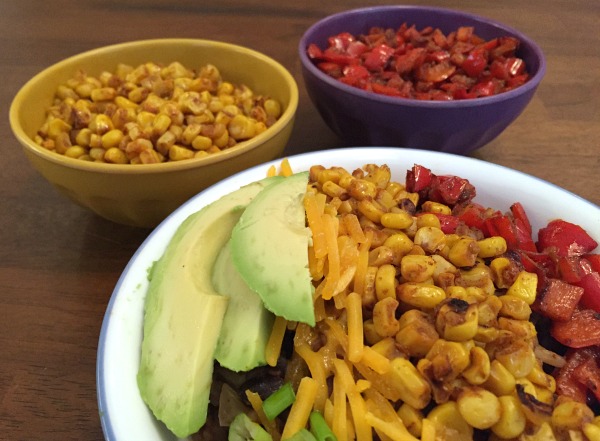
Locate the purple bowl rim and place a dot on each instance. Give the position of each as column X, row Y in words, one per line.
column 529, row 86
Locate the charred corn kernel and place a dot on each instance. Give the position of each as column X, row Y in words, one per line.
column 486, row 334
column 544, row 395
column 397, row 221
column 399, row 243
column 512, row 420
column 201, row 142
column 115, row 155
column 62, row 142
column 436, row 207
column 463, row 252
column 332, row 189
column 413, row 388
column 103, row 94
column 97, row 154
column 178, row 153
column 540, row 378
column 523, row 329
column 84, row 90
column 384, row 317
column 150, row 156
column 442, row 266
column 449, row 423
column 428, row 220
column 112, row 138
column 417, row 268
column 479, row 407
column 524, row 287
column 514, row 307
column 417, row 334
column 431, row 239
column 165, row 142
column 500, row 381
column 420, row 295
column 488, row 311
column 491, row 246
column 161, row 124
column 518, row 358
column 361, row 189
column 222, row 141
column 591, row 431
column 449, row 359
column 412, row 419
column 241, row 127
column 456, row 320
column 385, row 282
column 56, row 127
column 125, row 103
column 498, row 266
column 83, row 137
column 479, row 367
column 571, row 415
column 75, row 151
column 273, row 108
column 101, row 124
column 370, row 209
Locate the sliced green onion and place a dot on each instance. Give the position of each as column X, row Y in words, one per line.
column 302, row 435
column 278, row 401
column 319, row 427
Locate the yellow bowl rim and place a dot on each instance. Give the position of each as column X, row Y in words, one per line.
column 164, row 167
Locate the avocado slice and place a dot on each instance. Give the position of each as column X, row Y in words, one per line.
column 183, row 315
column 269, row 248
column 247, row 323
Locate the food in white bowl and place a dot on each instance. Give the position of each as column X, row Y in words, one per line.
column 124, row 413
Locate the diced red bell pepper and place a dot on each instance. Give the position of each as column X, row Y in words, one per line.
column 384, row 89
column 518, row 212
column 314, row 52
column 558, row 300
column 473, row 215
column 502, row 225
column 566, row 238
column 451, row 190
column 566, row 382
column 354, row 74
column 475, row 63
column 378, row 57
column 590, row 283
column 588, row 374
column 341, row 41
column 418, row 178
column 583, row 329
column 356, row 48
column 483, row 88
column 571, row 268
column 594, row 260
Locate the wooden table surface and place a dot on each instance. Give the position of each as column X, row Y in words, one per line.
column 59, row 263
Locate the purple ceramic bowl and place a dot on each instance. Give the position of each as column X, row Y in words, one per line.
column 366, row 118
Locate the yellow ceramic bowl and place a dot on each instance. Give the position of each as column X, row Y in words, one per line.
column 143, row 195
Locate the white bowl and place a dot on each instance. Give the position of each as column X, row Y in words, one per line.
column 123, row 414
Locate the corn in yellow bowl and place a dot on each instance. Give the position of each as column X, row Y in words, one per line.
column 144, row 194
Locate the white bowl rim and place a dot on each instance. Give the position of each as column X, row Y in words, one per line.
column 165, row 167
column 376, row 155
column 530, row 85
